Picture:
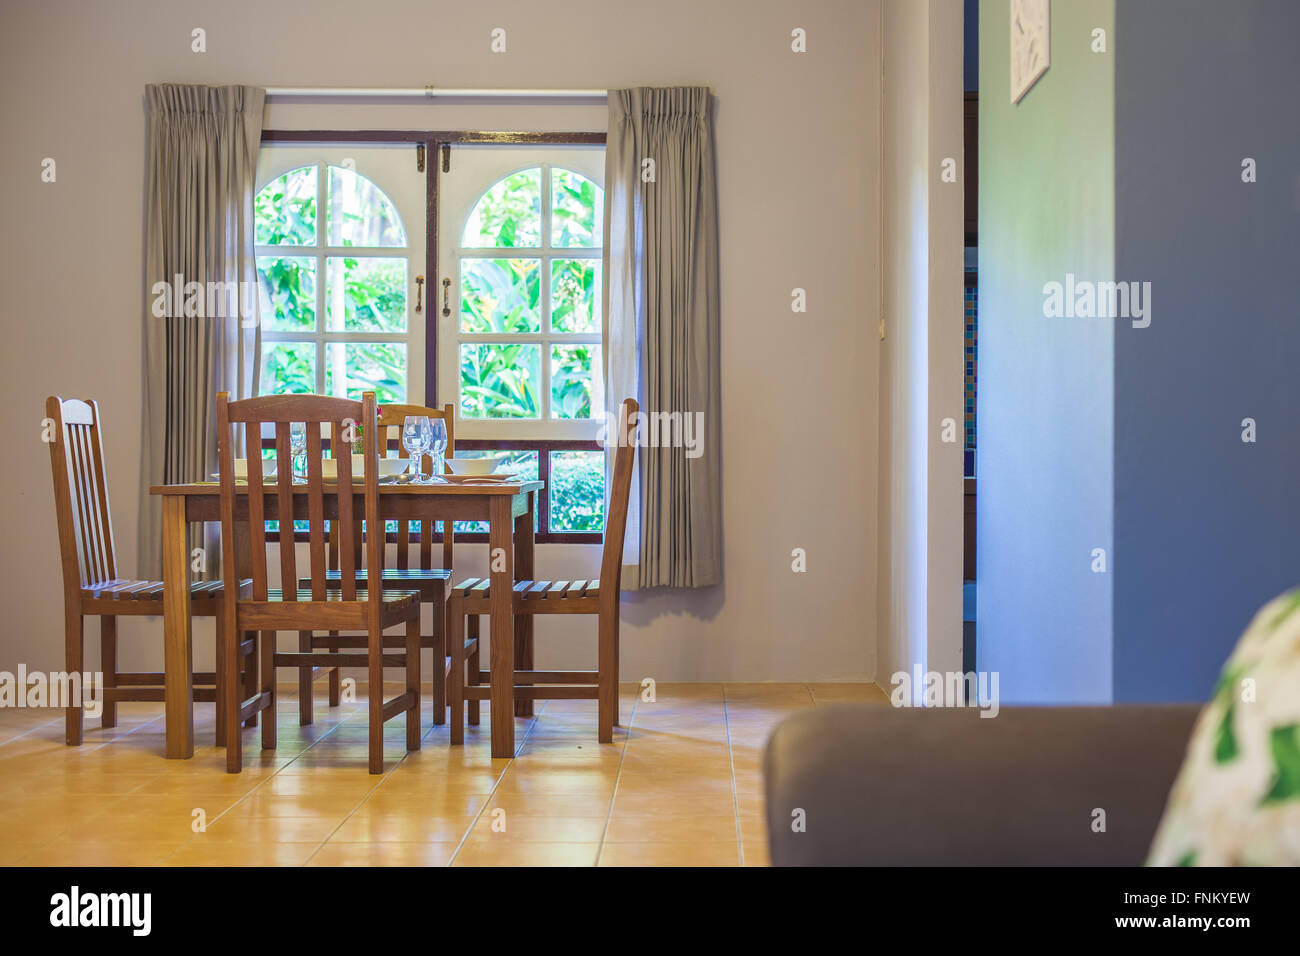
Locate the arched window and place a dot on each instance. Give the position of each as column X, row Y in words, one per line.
column 333, row 264
column 528, row 342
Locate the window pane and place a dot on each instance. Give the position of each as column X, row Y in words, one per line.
column 509, row 215
column 521, row 463
column 577, row 490
column 284, row 212
column 360, row 214
column 365, row 294
column 500, row 380
column 577, row 211
column 355, row 367
column 574, row 393
column 575, row 295
column 287, row 292
column 288, row 367
column 500, row 295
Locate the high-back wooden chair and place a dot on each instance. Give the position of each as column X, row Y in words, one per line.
column 426, row 576
column 316, row 607
column 91, row 585
column 471, row 597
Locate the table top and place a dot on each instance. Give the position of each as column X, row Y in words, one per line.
column 494, row 489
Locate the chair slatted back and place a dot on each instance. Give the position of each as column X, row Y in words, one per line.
column 391, row 419
column 313, row 411
column 611, row 561
column 81, row 494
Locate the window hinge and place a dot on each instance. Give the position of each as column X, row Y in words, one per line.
column 446, row 157
column 419, row 157
column 882, row 328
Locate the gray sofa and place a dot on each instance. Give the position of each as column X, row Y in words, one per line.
column 942, row 786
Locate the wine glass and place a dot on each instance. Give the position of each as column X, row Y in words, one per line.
column 438, row 430
column 415, row 439
column 298, row 447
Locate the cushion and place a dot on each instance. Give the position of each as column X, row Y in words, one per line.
column 1236, row 800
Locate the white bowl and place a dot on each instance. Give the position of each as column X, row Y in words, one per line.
column 474, row 466
column 388, row 467
column 241, row 468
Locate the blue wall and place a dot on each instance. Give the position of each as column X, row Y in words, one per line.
column 1206, row 528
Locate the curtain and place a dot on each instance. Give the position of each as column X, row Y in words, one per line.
column 662, row 319
column 201, row 333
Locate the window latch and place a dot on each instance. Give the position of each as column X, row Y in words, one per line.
column 446, row 298
column 419, row 294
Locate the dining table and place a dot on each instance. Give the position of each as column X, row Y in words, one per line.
column 508, row 508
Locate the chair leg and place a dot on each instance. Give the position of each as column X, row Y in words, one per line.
column 223, row 673
column 474, row 669
column 108, row 664
column 456, row 692
column 615, row 669
column 305, row 715
column 608, row 698
column 375, row 698
column 269, row 722
column 233, row 690
column 73, row 652
column 413, row 683
column 335, row 678
column 252, row 673
column 439, row 676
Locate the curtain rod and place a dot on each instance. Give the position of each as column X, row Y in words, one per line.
column 432, row 92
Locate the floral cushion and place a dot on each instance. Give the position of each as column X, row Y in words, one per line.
column 1236, row 801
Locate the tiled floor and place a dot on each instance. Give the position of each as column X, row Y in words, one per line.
column 680, row 785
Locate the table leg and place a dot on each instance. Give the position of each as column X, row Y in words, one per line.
column 178, row 648
column 524, row 622
column 501, row 613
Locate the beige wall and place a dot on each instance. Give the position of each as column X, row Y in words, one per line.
column 798, row 170
column 920, row 545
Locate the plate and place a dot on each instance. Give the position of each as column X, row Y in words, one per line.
column 479, row 479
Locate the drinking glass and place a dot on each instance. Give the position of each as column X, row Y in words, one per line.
column 298, row 447
column 438, row 444
column 415, row 439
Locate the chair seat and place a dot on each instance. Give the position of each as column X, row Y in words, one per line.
column 131, row 590
column 428, row 581
column 394, row 596
column 529, row 592
column 333, row 612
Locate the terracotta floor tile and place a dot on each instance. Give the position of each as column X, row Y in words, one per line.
column 383, row 854
column 489, row 852
column 684, row 776
column 669, row 854
column 387, row 826
column 671, row 828
column 196, row 853
column 139, row 853
column 532, row 829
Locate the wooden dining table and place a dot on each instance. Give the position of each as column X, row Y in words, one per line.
column 507, row 507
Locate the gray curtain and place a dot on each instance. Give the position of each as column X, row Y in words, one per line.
column 662, row 327
column 201, row 332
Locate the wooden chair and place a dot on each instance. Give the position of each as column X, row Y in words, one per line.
column 314, row 608
column 91, row 585
column 427, row 578
column 471, row 598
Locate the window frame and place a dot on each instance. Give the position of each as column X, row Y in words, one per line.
column 321, row 337
column 432, row 148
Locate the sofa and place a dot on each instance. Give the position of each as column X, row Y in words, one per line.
column 884, row 786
